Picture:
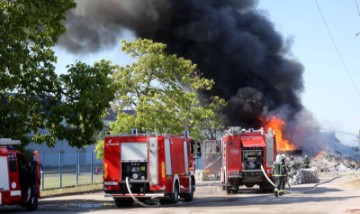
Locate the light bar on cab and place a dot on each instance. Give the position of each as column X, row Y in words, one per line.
column 9, row 141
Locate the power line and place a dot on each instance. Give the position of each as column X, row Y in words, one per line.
column 337, row 49
column 357, row 6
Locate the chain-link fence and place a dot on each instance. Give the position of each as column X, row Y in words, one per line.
column 69, row 169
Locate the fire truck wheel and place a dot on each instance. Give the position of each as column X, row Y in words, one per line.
column 228, row 190
column 175, row 195
column 232, row 189
column 189, row 196
column 32, row 204
column 223, row 183
column 128, row 202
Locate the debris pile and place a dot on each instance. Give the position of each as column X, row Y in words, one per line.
column 334, row 161
column 303, row 176
column 326, row 162
column 199, row 175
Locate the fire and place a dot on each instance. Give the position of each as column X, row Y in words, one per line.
column 277, row 124
column 320, row 155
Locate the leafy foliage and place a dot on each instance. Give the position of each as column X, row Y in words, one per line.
column 28, row 30
column 35, row 103
column 163, row 91
column 86, row 95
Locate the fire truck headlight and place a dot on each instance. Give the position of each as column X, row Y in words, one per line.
column 135, row 176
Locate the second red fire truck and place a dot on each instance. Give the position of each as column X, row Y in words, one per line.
column 245, row 153
column 19, row 177
column 148, row 166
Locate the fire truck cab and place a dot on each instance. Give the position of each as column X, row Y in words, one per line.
column 245, row 152
column 20, row 178
column 141, row 167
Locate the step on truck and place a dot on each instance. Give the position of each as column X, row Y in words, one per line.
column 141, row 167
column 247, row 155
column 19, row 177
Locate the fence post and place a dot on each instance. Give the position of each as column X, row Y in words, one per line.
column 77, row 167
column 60, row 169
column 43, row 171
column 92, row 167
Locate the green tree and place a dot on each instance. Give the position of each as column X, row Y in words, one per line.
column 35, row 103
column 163, row 92
column 86, row 94
column 28, row 31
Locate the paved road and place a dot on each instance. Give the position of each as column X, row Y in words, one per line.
column 333, row 196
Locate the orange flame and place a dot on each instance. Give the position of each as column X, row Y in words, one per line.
column 277, row 124
column 320, row 155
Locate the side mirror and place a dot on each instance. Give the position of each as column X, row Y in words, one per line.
column 192, row 144
column 198, row 149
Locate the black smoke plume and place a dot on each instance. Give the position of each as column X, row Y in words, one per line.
column 231, row 41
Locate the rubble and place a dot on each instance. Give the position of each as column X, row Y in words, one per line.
column 303, row 176
column 334, row 161
column 326, row 163
column 199, row 175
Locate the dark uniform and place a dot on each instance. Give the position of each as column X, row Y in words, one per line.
column 279, row 174
column 306, row 162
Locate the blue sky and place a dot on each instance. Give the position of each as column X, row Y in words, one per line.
column 329, row 92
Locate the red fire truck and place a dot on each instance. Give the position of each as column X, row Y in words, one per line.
column 140, row 167
column 245, row 152
column 20, row 178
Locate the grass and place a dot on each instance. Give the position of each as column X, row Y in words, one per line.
column 52, row 181
column 51, row 184
column 71, row 190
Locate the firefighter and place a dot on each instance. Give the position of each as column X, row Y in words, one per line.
column 284, row 171
column 306, row 162
column 279, row 173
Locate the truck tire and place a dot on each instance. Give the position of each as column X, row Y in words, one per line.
column 128, row 202
column 223, row 183
column 32, row 204
column 175, row 196
column 232, row 189
column 190, row 196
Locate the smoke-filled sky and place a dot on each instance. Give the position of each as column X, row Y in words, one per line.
column 230, row 41
column 233, row 42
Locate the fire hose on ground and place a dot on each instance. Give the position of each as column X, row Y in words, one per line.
column 313, row 189
column 132, row 195
column 267, row 178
